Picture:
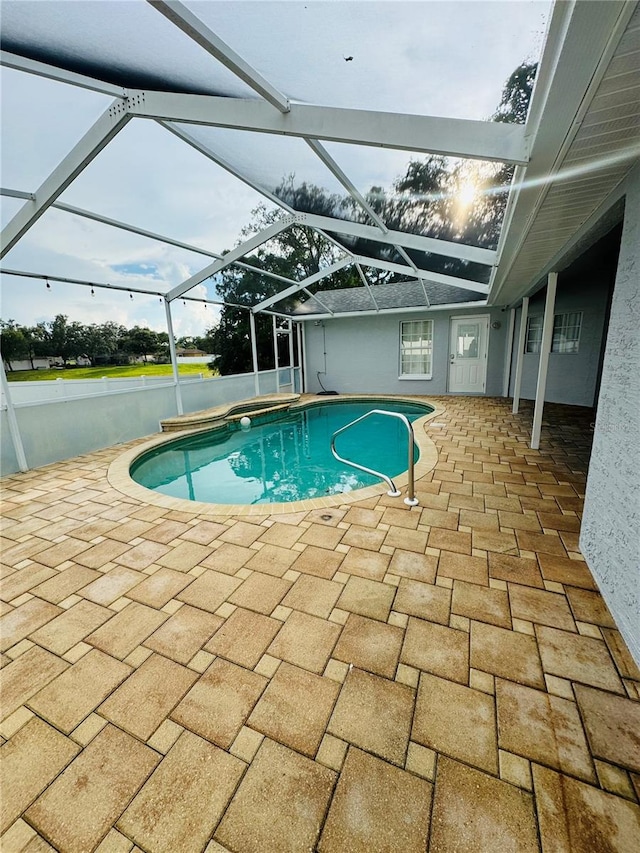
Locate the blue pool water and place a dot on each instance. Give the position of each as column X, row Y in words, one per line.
column 288, row 459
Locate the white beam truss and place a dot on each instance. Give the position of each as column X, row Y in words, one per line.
column 230, row 257
column 363, row 278
column 300, row 285
column 321, row 152
column 192, row 26
column 42, row 69
column 100, row 134
column 318, row 300
column 475, row 140
column 432, row 245
column 438, row 278
column 411, row 309
column 210, row 154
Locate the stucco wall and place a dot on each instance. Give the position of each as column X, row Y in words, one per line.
column 362, row 353
column 610, row 536
column 572, row 376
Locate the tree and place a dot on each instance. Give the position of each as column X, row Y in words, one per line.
column 140, row 341
column 296, row 253
column 12, row 342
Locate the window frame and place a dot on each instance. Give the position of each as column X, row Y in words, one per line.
column 421, row 354
column 558, row 328
column 533, row 336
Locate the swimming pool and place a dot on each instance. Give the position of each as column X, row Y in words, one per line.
column 283, row 458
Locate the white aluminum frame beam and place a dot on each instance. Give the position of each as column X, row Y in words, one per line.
column 174, row 357
column 363, row 278
column 134, row 229
column 543, row 366
column 42, row 69
column 411, row 309
column 193, row 27
column 233, row 255
column 97, row 137
column 210, row 154
column 64, row 280
column 449, row 137
column 448, row 248
column 14, row 428
column 438, row 278
column 300, row 285
column 321, row 152
column 315, row 297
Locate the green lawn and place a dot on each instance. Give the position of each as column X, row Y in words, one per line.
column 111, row 372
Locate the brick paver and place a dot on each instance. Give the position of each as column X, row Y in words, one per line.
column 175, row 681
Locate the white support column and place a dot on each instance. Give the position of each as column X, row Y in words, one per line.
column 299, row 339
column 14, row 429
column 545, row 349
column 305, row 381
column 509, row 353
column 174, row 357
column 275, row 354
column 254, row 352
column 521, row 340
column 292, row 374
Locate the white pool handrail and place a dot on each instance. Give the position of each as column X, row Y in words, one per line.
column 411, row 499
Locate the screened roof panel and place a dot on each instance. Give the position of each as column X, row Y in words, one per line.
column 8, row 209
column 283, row 166
column 124, row 42
column 39, row 139
column 194, row 200
column 437, row 58
column 369, row 248
column 443, row 197
column 450, row 266
column 100, row 253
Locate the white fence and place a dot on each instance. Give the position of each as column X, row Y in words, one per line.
column 57, row 428
column 65, row 389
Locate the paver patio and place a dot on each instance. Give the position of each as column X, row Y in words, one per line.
column 384, row 678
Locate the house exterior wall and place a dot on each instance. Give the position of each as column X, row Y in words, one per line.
column 572, row 376
column 610, row 534
column 363, row 353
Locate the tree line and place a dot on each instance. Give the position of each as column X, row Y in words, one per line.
column 100, row 343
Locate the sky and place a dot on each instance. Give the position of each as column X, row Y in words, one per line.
column 438, row 58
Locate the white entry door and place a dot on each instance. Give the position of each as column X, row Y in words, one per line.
column 468, row 354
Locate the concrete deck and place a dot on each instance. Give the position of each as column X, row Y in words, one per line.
column 366, row 677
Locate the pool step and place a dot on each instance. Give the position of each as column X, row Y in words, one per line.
column 229, row 412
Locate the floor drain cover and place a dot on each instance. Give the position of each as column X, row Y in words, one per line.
column 326, row 517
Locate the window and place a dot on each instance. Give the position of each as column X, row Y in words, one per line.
column 566, row 333
column 534, row 334
column 416, row 348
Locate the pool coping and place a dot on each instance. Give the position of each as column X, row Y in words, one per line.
column 119, row 477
